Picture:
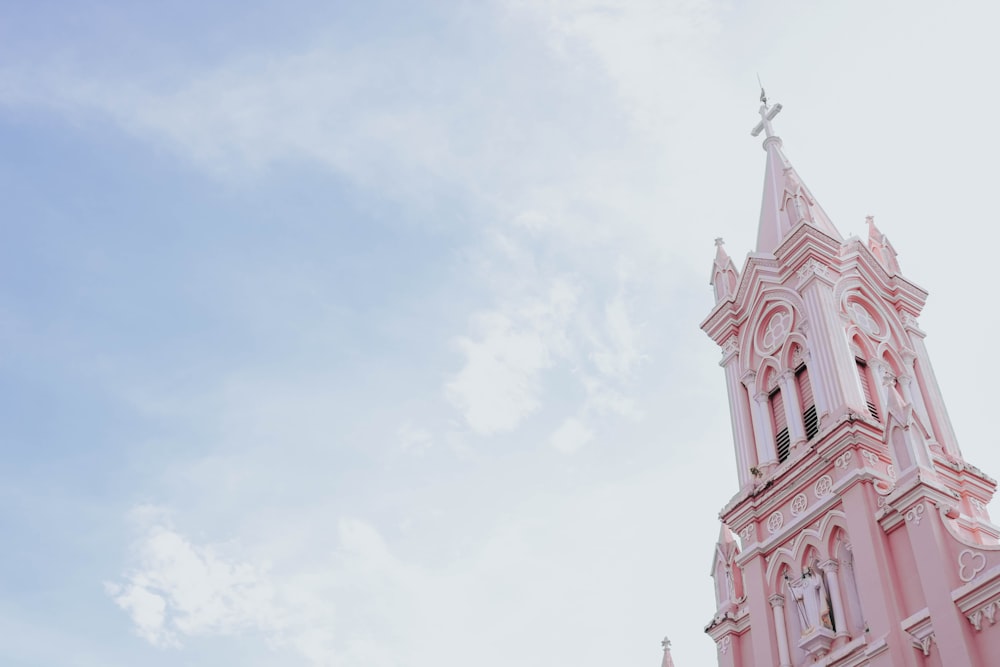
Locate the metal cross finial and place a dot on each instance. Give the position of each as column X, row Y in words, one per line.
column 665, row 643
column 719, row 241
column 767, row 114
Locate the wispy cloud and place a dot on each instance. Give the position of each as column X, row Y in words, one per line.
column 571, row 435
column 499, row 384
column 179, row 589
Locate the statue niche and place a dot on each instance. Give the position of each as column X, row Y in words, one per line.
column 812, row 603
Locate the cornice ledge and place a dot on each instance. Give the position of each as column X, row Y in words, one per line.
column 838, row 656
column 728, row 623
column 877, row 647
column 756, row 264
column 805, row 230
column 977, row 592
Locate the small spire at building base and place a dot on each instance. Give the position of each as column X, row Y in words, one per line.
column 668, row 661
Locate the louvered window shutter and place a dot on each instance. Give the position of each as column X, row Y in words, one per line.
column 782, row 440
column 866, row 386
column 809, row 418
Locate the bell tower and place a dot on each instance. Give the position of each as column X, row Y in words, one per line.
column 858, row 534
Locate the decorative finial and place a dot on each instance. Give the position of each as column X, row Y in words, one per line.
column 767, row 114
column 719, row 241
column 665, row 643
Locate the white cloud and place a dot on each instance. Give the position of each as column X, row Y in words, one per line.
column 180, row 589
column 414, row 439
column 618, row 356
column 147, row 610
column 571, row 435
column 499, row 384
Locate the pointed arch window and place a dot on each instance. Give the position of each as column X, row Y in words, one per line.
column 810, row 420
column 782, row 439
column 864, row 374
column 791, row 212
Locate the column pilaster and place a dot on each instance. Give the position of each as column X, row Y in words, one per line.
column 781, row 633
column 835, row 367
column 940, row 423
column 761, row 419
column 831, row 569
column 744, row 441
column 793, row 416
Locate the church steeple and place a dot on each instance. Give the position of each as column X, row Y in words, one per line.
column 864, row 535
column 879, row 244
column 787, row 201
column 725, row 277
column 668, row 661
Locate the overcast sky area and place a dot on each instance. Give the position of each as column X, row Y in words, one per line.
column 343, row 334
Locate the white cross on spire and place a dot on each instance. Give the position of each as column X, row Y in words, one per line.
column 767, row 114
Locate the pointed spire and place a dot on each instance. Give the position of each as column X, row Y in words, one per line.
column 725, row 277
column 726, row 536
column 787, row 201
column 668, row 661
column 728, row 577
column 907, row 439
column 879, row 244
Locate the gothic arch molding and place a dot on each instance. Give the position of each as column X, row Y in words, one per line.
column 818, row 537
column 774, row 297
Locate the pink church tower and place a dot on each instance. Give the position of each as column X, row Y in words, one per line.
column 859, row 534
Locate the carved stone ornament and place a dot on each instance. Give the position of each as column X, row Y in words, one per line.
column 970, row 563
column 775, row 521
column 799, row 504
column 797, row 357
column 730, row 346
column 924, row 643
column 871, row 457
column 843, row 460
column 779, row 325
column 823, row 486
column 915, row 514
column 988, row 612
column 724, row 644
column 860, row 315
column 812, row 267
column 747, row 533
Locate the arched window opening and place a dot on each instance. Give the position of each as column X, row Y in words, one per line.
column 782, row 439
column 791, row 211
column 809, row 418
column 866, row 386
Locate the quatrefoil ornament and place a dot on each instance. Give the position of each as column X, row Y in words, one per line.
column 970, row 563
column 777, row 329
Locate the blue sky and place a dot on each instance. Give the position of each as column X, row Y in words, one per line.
column 366, row 334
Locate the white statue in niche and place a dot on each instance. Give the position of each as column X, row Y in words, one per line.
column 810, row 597
column 800, row 210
